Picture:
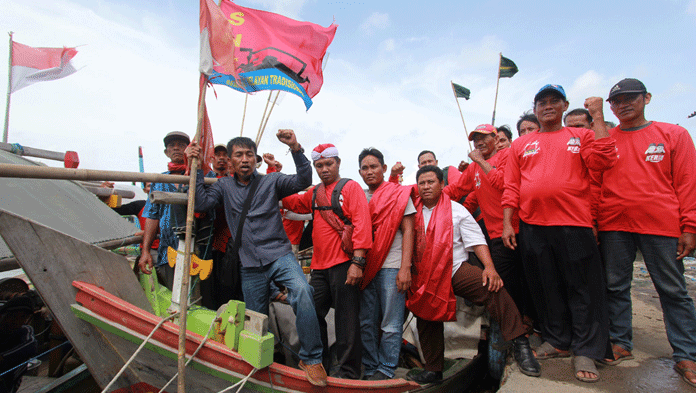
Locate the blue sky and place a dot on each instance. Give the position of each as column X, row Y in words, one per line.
column 386, row 82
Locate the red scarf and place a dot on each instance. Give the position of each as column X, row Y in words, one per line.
column 432, row 297
column 387, row 208
column 173, row 167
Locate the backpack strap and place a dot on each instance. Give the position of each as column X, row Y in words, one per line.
column 335, row 205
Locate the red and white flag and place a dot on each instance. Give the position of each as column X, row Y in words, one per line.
column 31, row 65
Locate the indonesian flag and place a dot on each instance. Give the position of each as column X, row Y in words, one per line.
column 31, row 65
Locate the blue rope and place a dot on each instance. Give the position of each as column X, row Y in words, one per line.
column 22, row 364
column 16, row 148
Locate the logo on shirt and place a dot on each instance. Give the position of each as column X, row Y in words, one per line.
column 477, row 179
column 531, row 149
column 655, row 152
column 574, row 145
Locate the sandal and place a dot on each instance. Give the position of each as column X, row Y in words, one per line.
column 547, row 351
column 684, row 367
column 585, row 364
column 620, row 354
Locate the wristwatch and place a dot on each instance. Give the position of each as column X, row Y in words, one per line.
column 358, row 261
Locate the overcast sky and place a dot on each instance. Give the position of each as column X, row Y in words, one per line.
column 386, row 82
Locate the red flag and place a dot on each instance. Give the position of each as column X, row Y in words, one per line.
column 206, row 141
column 31, row 65
column 217, row 41
column 276, row 53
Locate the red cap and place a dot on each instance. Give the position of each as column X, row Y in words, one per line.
column 483, row 129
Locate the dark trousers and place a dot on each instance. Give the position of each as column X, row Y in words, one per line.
column 508, row 264
column 330, row 290
column 467, row 283
column 568, row 286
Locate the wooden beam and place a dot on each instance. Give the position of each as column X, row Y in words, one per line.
column 168, row 198
column 44, row 172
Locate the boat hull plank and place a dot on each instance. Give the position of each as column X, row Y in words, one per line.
column 52, row 260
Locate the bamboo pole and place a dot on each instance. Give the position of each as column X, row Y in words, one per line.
column 462, row 115
column 270, row 93
column 246, row 98
column 497, row 84
column 185, row 278
column 9, row 94
column 45, row 172
column 70, row 159
column 258, row 140
column 105, row 192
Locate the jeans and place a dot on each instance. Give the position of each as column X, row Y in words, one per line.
column 667, row 274
column 286, row 271
column 382, row 310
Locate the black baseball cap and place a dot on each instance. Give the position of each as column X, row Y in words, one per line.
column 626, row 86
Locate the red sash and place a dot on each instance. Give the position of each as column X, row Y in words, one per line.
column 387, row 208
column 432, row 297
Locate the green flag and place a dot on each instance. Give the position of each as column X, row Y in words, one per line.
column 507, row 68
column 461, row 91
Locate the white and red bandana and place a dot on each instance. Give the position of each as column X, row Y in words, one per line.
column 325, row 150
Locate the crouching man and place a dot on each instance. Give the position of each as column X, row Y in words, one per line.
column 445, row 233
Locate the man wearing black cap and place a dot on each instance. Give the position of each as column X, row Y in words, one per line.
column 547, row 179
column 648, row 202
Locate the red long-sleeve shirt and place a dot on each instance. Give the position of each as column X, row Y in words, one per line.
column 546, row 175
column 652, row 188
column 489, row 192
column 327, row 245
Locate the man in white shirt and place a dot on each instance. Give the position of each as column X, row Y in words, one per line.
column 445, row 234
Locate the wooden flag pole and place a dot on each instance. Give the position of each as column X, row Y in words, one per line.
column 185, row 278
column 461, row 114
column 495, row 103
column 246, row 98
column 267, row 117
column 9, row 94
column 270, row 93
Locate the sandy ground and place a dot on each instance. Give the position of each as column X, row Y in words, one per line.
column 651, row 370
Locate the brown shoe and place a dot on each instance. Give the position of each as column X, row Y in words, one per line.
column 316, row 375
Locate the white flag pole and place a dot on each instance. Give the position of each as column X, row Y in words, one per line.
column 9, row 94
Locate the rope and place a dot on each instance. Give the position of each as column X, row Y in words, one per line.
column 35, row 357
column 241, row 381
column 16, row 148
column 194, row 353
column 106, row 389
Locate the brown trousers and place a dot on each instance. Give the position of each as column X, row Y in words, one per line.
column 468, row 284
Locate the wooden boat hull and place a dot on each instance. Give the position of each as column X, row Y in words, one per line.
column 114, row 318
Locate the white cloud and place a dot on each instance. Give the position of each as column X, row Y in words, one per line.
column 388, row 45
column 691, row 7
column 376, row 21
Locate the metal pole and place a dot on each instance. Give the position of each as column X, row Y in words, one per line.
column 495, row 103
column 9, row 94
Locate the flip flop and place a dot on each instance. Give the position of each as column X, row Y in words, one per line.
column 547, row 351
column 583, row 363
column 686, row 366
column 620, row 354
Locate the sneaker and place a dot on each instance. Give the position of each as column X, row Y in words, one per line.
column 316, row 375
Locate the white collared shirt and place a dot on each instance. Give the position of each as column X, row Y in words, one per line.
column 466, row 233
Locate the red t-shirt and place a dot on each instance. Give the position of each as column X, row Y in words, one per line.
column 488, row 192
column 327, row 245
column 546, row 175
column 652, row 188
